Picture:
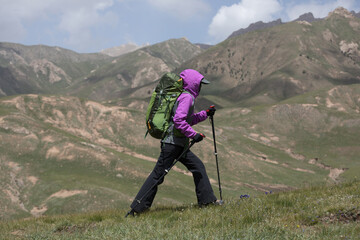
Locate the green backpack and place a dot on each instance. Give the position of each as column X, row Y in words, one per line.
column 162, row 101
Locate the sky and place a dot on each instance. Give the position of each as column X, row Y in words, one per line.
column 87, row 26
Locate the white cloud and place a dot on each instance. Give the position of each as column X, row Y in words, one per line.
column 181, row 8
column 13, row 15
column 318, row 8
column 81, row 21
column 241, row 15
column 11, row 29
column 76, row 19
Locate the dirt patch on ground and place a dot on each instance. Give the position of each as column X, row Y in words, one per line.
column 334, row 172
column 137, row 155
column 294, row 155
column 70, row 152
column 342, row 216
column 13, row 100
column 66, row 194
column 14, row 166
column 265, row 159
column 272, row 137
column 33, row 179
column 304, row 170
column 349, row 48
column 256, row 137
column 337, row 106
column 40, row 210
column 15, row 198
column 187, row 173
column 49, row 139
column 52, row 152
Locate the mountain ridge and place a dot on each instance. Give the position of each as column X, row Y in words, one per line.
column 293, row 58
column 308, row 17
column 43, row 69
column 122, row 49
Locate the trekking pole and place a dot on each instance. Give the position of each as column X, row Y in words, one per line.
column 165, row 172
column 215, row 153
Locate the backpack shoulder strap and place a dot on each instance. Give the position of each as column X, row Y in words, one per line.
column 193, row 102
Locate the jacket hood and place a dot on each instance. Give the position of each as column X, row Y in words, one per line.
column 191, row 81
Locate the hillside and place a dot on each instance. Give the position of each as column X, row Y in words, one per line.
column 49, row 70
column 64, row 154
column 57, row 150
column 260, row 66
column 284, row 61
column 326, row 212
column 42, row 69
column 129, row 72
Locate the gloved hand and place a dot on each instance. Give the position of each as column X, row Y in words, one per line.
column 199, row 137
column 211, row 111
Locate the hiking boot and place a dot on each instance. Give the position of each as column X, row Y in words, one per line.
column 218, row 202
column 131, row 213
column 214, row 203
column 134, row 213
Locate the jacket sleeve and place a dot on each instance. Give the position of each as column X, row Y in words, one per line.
column 185, row 102
column 199, row 117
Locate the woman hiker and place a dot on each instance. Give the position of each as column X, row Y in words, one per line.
column 174, row 143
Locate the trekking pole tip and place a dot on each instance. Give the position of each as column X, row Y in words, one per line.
column 131, row 212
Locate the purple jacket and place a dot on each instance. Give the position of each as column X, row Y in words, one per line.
column 192, row 80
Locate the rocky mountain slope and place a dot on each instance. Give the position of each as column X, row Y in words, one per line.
column 127, row 73
column 64, row 154
column 308, row 17
column 280, row 62
column 43, row 69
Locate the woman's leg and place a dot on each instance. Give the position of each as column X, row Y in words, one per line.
column 167, row 156
column 203, row 189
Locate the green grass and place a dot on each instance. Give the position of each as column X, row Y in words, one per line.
column 322, row 212
column 248, row 164
column 6, row 110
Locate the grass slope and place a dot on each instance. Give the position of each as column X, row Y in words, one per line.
column 64, row 155
column 322, row 212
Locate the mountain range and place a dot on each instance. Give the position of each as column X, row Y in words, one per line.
column 72, row 125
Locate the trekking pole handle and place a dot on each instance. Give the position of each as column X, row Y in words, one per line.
column 212, row 116
column 216, row 154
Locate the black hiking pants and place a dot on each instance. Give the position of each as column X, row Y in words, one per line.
column 169, row 153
